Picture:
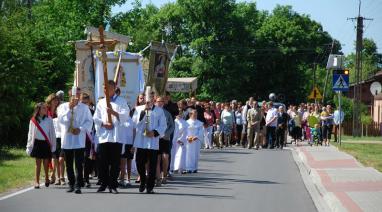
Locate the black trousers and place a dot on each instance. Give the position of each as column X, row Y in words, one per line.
column 110, row 159
column 76, row 155
column 280, row 137
column 271, row 136
column 88, row 163
column 239, row 129
column 89, row 167
column 143, row 156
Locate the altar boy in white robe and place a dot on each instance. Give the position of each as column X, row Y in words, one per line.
column 194, row 137
column 151, row 124
column 110, row 143
column 75, row 120
column 178, row 151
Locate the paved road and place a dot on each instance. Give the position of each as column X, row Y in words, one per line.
column 229, row 180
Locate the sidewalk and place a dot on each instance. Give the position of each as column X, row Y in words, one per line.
column 341, row 181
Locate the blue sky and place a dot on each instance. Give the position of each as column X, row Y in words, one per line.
column 332, row 14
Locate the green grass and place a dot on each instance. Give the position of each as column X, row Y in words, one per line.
column 16, row 169
column 367, row 154
column 360, row 139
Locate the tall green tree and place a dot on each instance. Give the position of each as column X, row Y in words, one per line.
column 36, row 58
column 371, row 62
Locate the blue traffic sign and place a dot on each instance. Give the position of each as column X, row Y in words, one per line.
column 340, row 82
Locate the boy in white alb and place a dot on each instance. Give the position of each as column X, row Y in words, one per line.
column 75, row 120
column 110, row 143
column 150, row 123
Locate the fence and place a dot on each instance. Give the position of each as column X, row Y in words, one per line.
column 374, row 129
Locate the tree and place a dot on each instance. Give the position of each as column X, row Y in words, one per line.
column 288, row 44
column 366, row 120
column 370, row 61
column 35, row 58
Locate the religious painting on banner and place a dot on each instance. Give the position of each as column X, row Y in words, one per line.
column 130, row 80
column 159, row 62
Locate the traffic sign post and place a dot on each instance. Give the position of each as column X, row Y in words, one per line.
column 341, row 80
column 315, row 94
column 340, row 84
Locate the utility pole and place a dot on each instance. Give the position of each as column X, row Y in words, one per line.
column 314, row 80
column 358, row 66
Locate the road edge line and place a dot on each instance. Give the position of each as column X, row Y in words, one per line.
column 17, row 193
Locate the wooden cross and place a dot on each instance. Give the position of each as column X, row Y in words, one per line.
column 102, row 43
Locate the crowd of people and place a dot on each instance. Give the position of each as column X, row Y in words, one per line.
column 157, row 137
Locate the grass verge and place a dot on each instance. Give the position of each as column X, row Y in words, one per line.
column 16, row 169
column 361, row 139
column 367, row 154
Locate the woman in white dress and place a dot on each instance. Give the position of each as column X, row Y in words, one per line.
column 195, row 134
column 178, row 151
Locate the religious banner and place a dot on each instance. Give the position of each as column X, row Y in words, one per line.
column 130, row 81
column 159, row 62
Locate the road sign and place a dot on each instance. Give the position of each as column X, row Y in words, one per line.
column 315, row 94
column 340, row 82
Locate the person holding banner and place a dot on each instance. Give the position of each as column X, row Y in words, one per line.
column 150, row 122
column 75, row 121
column 41, row 141
column 108, row 133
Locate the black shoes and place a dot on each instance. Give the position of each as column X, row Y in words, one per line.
column 71, row 189
column 78, row 191
column 101, row 189
column 142, row 188
column 88, row 185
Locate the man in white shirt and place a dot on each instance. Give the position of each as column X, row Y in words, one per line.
column 74, row 119
column 110, row 143
column 271, row 123
column 150, row 123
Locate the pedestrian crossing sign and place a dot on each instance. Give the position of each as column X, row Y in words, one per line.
column 340, row 82
column 315, row 94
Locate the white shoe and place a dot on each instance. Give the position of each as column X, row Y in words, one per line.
column 122, row 183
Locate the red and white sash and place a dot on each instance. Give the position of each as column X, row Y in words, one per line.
column 40, row 129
